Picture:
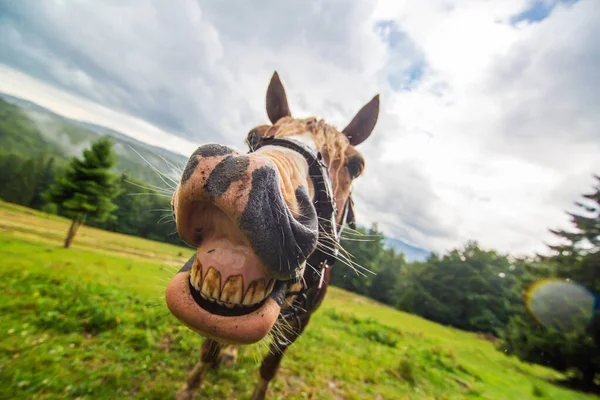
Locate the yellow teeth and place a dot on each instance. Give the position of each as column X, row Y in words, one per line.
column 255, row 292
column 211, row 287
column 233, row 290
column 196, row 274
column 232, row 293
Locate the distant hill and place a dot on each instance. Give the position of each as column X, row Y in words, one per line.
column 411, row 253
column 29, row 129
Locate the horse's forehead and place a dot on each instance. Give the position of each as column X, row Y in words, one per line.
column 307, row 139
column 311, row 131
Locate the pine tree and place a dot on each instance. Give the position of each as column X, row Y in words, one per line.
column 585, row 239
column 365, row 246
column 575, row 261
column 21, row 186
column 384, row 285
column 44, row 178
column 88, row 187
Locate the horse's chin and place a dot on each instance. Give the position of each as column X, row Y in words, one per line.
column 221, row 323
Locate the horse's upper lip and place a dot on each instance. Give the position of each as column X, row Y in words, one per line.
column 272, row 233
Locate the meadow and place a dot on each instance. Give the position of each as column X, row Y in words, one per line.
column 90, row 322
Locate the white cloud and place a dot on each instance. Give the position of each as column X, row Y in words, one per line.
column 477, row 147
column 496, row 141
column 18, row 84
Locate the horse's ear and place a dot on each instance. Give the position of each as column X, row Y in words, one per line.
column 277, row 105
column 361, row 126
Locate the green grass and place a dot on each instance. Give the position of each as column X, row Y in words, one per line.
column 90, row 322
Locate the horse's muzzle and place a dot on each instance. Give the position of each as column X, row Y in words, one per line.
column 248, row 189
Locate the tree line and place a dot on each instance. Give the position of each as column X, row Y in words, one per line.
column 542, row 309
column 469, row 288
column 122, row 204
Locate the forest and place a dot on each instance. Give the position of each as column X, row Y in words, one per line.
column 470, row 288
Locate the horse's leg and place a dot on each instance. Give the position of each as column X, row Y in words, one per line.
column 209, row 358
column 268, row 369
column 286, row 336
column 228, row 356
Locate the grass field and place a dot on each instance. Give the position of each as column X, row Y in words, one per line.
column 91, row 323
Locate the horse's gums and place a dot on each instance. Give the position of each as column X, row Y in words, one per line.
column 256, row 220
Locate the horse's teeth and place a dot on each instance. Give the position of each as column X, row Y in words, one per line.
column 232, row 293
column 269, row 288
column 233, row 290
column 211, row 286
column 255, row 292
column 196, row 274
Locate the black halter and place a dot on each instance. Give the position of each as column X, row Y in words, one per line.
column 329, row 230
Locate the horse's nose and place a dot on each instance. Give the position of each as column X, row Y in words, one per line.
column 204, row 153
column 247, row 187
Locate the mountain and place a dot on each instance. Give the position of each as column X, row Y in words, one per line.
column 29, row 130
column 411, row 253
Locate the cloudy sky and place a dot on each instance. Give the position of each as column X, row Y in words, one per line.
column 490, row 119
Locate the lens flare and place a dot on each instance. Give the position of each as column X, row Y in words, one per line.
column 562, row 305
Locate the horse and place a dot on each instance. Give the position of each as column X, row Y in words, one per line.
column 266, row 226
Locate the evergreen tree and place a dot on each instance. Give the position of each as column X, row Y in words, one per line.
column 575, row 261
column 362, row 250
column 20, row 187
column 131, row 209
column 10, row 165
column 585, row 239
column 142, row 211
column 384, row 285
column 87, row 188
column 45, row 174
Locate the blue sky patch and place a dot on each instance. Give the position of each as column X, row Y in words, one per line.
column 407, row 63
column 538, row 11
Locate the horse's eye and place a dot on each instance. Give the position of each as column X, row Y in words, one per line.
column 252, row 137
column 354, row 168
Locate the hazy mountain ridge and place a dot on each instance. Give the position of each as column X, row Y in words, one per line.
column 411, row 253
column 65, row 137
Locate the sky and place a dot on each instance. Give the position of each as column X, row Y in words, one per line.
column 489, row 127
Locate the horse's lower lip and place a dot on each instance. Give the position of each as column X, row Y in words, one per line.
column 242, row 329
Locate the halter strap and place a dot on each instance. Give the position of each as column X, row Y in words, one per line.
column 325, row 206
column 324, row 201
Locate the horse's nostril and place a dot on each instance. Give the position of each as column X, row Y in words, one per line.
column 198, row 235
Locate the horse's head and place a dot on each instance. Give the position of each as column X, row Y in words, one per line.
column 256, row 218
